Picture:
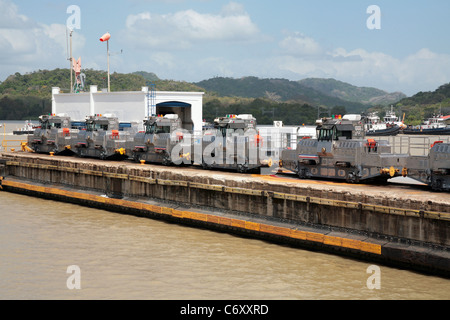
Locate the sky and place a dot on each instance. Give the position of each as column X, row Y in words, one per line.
column 403, row 45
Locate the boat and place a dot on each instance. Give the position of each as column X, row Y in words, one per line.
column 389, row 131
column 28, row 128
column 390, row 126
column 433, row 126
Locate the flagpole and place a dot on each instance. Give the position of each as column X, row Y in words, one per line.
column 106, row 38
column 107, row 49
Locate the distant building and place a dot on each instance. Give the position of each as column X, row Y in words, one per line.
column 131, row 106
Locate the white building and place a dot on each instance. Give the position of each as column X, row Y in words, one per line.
column 286, row 136
column 131, row 106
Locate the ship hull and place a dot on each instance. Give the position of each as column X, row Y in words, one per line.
column 385, row 132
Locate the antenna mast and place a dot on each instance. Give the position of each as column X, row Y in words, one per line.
column 70, row 61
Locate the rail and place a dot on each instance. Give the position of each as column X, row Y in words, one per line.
column 13, row 145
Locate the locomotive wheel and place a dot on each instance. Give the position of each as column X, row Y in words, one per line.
column 436, row 185
column 302, row 173
column 166, row 160
column 242, row 168
column 136, row 157
column 352, row 178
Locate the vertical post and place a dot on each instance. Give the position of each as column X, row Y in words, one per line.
column 106, row 38
column 107, row 49
column 71, row 63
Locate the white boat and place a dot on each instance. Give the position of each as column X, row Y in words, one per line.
column 435, row 126
column 390, row 126
column 393, row 119
column 28, row 128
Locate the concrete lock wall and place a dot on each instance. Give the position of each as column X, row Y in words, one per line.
column 395, row 230
column 361, row 213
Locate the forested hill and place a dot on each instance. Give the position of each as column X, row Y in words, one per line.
column 40, row 83
column 278, row 90
column 440, row 95
column 293, row 102
column 424, row 104
column 348, row 92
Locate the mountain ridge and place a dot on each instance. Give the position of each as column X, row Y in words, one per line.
column 314, row 91
column 347, row 91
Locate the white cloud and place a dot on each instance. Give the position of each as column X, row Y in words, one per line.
column 184, row 29
column 10, row 17
column 420, row 71
column 300, row 45
column 26, row 45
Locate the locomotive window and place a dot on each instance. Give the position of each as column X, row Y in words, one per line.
column 325, row 134
column 95, row 126
column 163, row 129
column 346, row 134
column 90, row 126
column 49, row 125
column 149, row 129
column 101, row 127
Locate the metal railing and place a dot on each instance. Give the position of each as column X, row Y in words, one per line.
column 413, row 145
column 400, row 144
column 12, row 145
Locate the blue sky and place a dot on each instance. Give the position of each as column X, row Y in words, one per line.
column 193, row 40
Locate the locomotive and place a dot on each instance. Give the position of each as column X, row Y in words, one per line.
column 101, row 138
column 439, row 168
column 156, row 143
column 233, row 143
column 341, row 152
column 52, row 136
column 434, row 169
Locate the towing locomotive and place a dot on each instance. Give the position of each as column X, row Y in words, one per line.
column 341, row 152
column 233, row 143
column 156, row 144
column 101, row 138
column 53, row 135
column 434, row 169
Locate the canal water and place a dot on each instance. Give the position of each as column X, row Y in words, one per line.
column 118, row 256
column 55, row 250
